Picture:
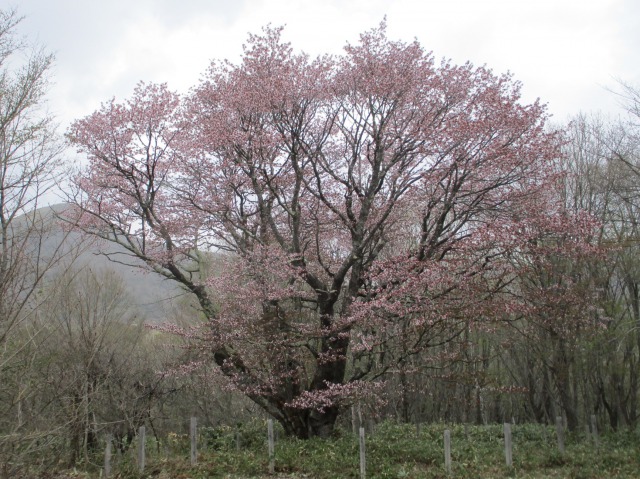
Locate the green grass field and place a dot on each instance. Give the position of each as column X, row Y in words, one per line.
column 392, row 451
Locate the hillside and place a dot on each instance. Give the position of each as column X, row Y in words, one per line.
column 151, row 294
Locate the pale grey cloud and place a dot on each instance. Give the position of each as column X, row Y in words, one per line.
column 564, row 51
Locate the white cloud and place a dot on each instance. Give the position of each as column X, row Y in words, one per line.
column 563, row 51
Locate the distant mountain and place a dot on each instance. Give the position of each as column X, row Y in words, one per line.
column 155, row 297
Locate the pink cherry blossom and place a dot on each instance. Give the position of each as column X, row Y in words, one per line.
column 354, row 210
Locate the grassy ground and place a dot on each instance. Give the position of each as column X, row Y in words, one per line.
column 393, row 451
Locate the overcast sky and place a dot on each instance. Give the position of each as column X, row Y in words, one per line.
column 566, row 52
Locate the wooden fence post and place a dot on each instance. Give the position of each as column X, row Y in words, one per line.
column 272, row 461
column 507, row 445
column 447, row 451
column 107, row 455
column 193, row 430
column 141, row 441
column 363, row 460
column 560, row 433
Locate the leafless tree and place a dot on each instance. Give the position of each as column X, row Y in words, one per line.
column 30, row 167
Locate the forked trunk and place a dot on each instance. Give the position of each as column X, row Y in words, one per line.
column 305, row 424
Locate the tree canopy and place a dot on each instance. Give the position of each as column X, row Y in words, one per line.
column 362, row 208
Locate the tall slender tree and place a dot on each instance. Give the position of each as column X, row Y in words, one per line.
column 29, row 168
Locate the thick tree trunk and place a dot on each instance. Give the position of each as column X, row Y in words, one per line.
column 322, row 424
column 309, row 423
column 330, row 369
column 305, row 424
